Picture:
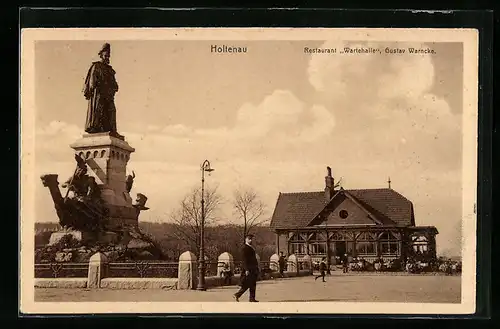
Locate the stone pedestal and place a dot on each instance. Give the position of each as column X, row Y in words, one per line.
column 293, row 263
column 274, row 262
column 107, row 157
column 187, row 274
column 97, row 270
column 308, row 265
column 225, row 258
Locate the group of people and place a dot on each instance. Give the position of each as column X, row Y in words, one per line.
column 324, row 268
column 450, row 267
column 250, row 270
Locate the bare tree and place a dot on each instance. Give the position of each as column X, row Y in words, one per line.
column 249, row 209
column 188, row 216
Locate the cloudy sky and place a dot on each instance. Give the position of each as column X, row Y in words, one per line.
column 271, row 119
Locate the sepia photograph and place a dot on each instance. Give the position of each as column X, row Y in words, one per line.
column 291, row 170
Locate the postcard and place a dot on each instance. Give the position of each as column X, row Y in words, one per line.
column 248, row 170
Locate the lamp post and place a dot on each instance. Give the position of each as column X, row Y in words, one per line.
column 201, row 261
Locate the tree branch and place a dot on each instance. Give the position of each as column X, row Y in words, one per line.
column 188, row 216
column 248, row 208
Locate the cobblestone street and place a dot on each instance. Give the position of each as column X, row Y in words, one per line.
column 339, row 287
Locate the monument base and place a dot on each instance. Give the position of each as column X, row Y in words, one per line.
column 106, row 218
column 123, row 245
column 56, row 237
column 75, row 237
column 109, row 133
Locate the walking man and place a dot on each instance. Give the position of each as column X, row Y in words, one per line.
column 345, row 263
column 227, row 273
column 322, row 270
column 282, row 263
column 250, row 271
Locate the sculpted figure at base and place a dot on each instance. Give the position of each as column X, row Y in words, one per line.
column 129, row 182
column 140, row 202
column 77, row 184
column 81, row 208
column 100, row 88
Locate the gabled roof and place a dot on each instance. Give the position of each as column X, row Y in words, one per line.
column 329, row 206
column 296, row 210
column 387, row 204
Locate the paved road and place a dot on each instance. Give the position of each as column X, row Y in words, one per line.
column 339, row 287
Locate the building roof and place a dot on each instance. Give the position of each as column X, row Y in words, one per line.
column 297, row 210
column 294, row 210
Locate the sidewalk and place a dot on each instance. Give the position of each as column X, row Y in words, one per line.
column 338, row 287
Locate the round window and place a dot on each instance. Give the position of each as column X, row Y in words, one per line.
column 343, row 214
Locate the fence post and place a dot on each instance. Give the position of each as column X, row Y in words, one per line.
column 98, row 267
column 293, row 265
column 225, row 258
column 274, row 262
column 308, row 263
column 187, row 271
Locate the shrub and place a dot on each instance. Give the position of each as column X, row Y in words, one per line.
column 45, row 255
column 67, row 241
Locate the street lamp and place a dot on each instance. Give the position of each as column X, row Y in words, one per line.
column 201, row 261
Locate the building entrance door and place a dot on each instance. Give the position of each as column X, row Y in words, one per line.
column 340, row 249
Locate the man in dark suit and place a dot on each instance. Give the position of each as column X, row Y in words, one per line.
column 282, row 264
column 250, row 270
column 322, row 270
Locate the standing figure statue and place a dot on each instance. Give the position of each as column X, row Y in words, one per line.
column 129, row 182
column 77, row 184
column 100, row 88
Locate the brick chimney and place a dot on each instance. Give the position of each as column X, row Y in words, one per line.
column 329, row 184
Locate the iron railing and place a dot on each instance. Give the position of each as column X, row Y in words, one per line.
column 263, row 265
column 211, row 268
column 143, row 269
column 140, row 269
column 61, row 270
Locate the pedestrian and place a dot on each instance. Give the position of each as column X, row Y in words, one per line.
column 322, row 270
column 345, row 264
column 250, row 271
column 227, row 274
column 282, row 263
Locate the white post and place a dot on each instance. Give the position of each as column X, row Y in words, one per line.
column 293, row 264
column 308, row 263
column 98, row 265
column 274, row 262
column 225, row 258
column 187, row 275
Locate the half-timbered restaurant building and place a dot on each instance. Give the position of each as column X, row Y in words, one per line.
column 367, row 223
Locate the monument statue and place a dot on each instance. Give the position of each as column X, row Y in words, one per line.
column 96, row 208
column 100, row 88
